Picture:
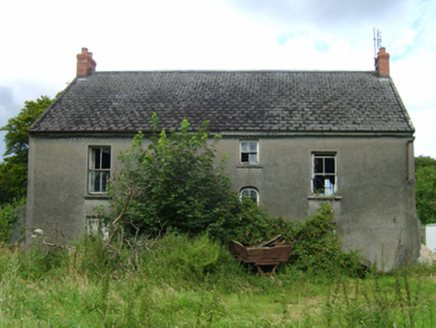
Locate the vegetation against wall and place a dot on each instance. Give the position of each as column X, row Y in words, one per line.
column 9, row 213
column 174, row 184
column 425, row 189
column 316, row 246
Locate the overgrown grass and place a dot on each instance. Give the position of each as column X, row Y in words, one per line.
column 183, row 282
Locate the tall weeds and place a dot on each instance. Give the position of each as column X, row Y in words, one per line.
column 184, row 282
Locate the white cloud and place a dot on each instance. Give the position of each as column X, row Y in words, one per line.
column 425, row 124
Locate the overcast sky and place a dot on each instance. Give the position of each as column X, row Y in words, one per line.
column 40, row 41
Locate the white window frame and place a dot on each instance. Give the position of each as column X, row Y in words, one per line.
column 96, row 227
column 247, row 154
column 250, row 190
column 321, row 174
column 100, row 170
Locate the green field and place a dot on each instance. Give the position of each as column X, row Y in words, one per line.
column 180, row 282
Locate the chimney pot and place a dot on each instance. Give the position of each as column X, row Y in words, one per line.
column 85, row 64
column 382, row 62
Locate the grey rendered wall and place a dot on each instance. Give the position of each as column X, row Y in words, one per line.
column 375, row 207
column 374, row 210
column 58, row 201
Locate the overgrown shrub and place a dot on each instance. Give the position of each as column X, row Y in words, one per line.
column 251, row 225
column 8, row 215
column 315, row 244
column 247, row 227
column 189, row 257
column 174, row 184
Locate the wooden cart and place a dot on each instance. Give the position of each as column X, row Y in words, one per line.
column 261, row 256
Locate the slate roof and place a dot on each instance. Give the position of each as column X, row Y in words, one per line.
column 294, row 101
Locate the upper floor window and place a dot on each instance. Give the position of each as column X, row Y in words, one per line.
column 324, row 173
column 99, row 169
column 250, row 193
column 250, row 152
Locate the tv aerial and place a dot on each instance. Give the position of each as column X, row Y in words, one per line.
column 377, row 40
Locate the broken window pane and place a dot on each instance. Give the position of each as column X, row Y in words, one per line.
column 318, row 184
column 329, row 165
column 319, row 167
column 249, row 152
column 324, row 174
column 329, row 186
column 106, row 158
column 244, row 157
column 97, row 160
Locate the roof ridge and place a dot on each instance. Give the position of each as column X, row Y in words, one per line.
column 232, row 71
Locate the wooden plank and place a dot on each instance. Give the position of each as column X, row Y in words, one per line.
column 272, row 242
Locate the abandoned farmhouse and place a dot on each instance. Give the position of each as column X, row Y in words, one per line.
column 294, row 139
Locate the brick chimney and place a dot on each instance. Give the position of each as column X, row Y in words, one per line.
column 382, row 62
column 85, row 64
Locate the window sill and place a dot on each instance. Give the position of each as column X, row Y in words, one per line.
column 97, row 196
column 249, row 166
column 324, row 197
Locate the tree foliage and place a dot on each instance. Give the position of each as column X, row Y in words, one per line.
column 425, row 189
column 13, row 170
column 424, row 161
column 173, row 184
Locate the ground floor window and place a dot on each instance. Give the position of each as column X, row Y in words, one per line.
column 324, row 175
column 99, row 169
column 249, row 193
column 96, row 227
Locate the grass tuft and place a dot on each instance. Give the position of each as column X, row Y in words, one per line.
column 195, row 282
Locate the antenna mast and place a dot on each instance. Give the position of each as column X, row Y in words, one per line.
column 377, row 41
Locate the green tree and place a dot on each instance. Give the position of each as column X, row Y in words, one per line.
column 425, row 189
column 13, row 170
column 174, row 184
column 424, row 161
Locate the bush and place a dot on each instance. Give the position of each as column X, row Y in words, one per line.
column 316, row 245
column 189, row 257
column 174, row 184
column 251, row 226
column 8, row 215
